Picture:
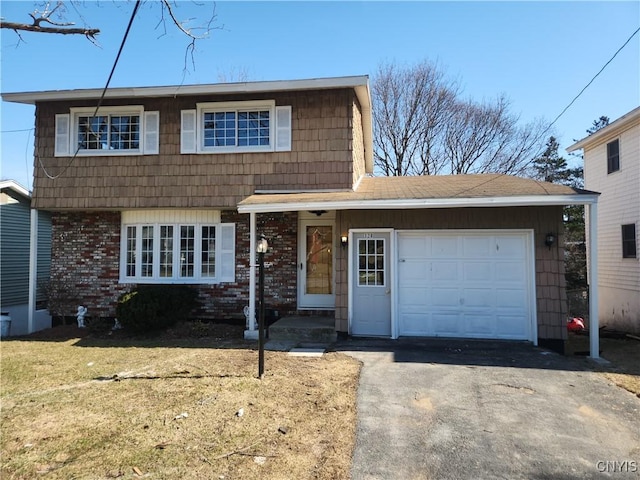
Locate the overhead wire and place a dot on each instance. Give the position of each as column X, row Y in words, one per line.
column 104, row 92
column 527, row 164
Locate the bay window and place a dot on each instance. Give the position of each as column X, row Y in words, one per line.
column 178, row 252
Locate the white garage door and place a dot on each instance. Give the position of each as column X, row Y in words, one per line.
column 465, row 284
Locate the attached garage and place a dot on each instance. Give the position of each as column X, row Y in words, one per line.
column 472, row 284
column 461, row 256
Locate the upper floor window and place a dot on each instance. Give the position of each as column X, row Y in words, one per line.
column 613, row 156
column 126, row 130
column 629, row 241
column 109, row 132
column 233, row 127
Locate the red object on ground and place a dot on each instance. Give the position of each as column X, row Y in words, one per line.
column 576, row 324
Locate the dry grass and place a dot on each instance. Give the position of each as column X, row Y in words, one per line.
column 89, row 408
column 624, row 355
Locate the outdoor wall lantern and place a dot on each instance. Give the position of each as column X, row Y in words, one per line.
column 261, row 248
column 343, row 240
column 549, row 240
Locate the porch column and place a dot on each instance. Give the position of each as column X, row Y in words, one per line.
column 594, row 322
column 251, row 333
column 33, row 270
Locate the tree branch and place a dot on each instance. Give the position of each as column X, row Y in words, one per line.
column 88, row 32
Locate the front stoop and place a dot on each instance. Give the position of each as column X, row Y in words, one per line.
column 303, row 330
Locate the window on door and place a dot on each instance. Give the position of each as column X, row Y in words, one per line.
column 319, row 279
column 371, row 262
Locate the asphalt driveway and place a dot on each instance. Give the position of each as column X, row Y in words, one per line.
column 435, row 409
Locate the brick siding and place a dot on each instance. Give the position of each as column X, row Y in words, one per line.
column 86, row 258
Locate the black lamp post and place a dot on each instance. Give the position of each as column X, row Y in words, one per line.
column 262, row 248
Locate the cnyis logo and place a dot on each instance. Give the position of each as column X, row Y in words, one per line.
column 625, row 466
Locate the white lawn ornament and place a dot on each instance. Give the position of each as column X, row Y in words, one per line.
column 245, row 310
column 82, row 311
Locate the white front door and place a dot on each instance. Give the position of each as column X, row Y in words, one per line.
column 371, row 281
column 316, row 286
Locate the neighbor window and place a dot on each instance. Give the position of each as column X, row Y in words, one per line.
column 613, row 156
column 231, row 127
column 125, row 130
column 629, row 241
column 178, row 252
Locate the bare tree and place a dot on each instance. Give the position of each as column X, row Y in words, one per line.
column 410, row 107
column 52, row 19
column 422, row 127
column 486, row 138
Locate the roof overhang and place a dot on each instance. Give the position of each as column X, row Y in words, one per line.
column 611, row 130
column 181, row 90
column 16, row 187
column 261, row 203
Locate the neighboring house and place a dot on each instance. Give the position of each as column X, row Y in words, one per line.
column 173, row 185
column 612, row 167
column 16, row 261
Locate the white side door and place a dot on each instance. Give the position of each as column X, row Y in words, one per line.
column 371, row 284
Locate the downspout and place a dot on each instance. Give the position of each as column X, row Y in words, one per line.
column 33, row 270
column 594, row 321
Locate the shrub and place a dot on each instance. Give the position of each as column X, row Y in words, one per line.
column 155, row 307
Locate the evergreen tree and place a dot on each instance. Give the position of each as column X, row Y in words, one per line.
column 551, row 167
column 602, row 122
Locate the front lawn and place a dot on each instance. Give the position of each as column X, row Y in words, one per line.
column 173, row 409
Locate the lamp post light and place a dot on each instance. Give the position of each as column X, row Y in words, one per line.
column 261, row 248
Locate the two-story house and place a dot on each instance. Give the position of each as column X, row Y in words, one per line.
column 612, row 167
column 174, row 184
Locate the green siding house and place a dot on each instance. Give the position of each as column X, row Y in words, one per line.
column 15, row 259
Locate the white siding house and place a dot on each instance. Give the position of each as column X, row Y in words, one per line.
column 612, row 167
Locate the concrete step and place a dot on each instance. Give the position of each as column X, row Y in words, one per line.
column 303, row 330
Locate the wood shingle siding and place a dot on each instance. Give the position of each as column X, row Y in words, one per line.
column 322, row 157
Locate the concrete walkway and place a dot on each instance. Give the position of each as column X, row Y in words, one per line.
column 476, row 410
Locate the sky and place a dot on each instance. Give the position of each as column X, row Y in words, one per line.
column 540, row 55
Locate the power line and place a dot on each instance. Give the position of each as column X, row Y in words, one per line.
column 576, row 98
column 104, row 92
column 592, row 80
column 26, row 159
column 527, row 164
column 15, row 131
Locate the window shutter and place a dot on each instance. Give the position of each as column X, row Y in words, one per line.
column 188, row 132
column 283, row 129
column 227, row 252
column 151, row 133
column 62, row 135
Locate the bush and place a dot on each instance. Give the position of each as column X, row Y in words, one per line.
column 155, row 307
